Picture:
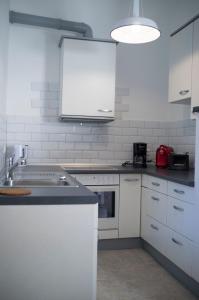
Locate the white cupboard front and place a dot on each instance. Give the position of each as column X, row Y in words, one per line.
column 129, row 212
column 180, row 75
column 87, row 79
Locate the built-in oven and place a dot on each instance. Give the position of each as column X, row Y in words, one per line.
column 108, row 206
column 106, row 187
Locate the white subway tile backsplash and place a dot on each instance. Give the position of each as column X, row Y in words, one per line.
column 52, row 141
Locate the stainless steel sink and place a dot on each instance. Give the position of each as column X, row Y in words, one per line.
column 39, row 183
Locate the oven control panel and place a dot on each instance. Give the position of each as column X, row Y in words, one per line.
column 97, row 179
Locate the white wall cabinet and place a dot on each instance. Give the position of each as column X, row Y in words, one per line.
column 180, row 75
column 87, row 79
column 129, row 211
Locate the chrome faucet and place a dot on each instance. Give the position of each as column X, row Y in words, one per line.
column 10, row 167
column 24, row 158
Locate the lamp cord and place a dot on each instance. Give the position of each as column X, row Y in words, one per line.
column 131, row 8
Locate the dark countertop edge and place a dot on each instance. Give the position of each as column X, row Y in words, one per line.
column 46, row 200
column 147, row 171
column 172, row 179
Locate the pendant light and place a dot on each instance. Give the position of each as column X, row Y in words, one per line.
column 136, row 29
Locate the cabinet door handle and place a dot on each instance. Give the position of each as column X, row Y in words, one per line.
column 178, row 208
column 131, row 179
column 154, row 227
column 105, row 110
column 179, row 192
column 155, row 198
column 177, row 242
column 155, row 184
column 183, row 92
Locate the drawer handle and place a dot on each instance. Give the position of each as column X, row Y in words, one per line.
column 179, row 192
column 183, row 92
column 177, row 242
column 154, row 227
column 105, row 110
column 131, row 179
column 155, row 198
column 155, row 184
column 178, row 208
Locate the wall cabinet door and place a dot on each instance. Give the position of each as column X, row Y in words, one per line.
column 195, row 68
column 129, row 211
column 87, row 79
column 180, row 75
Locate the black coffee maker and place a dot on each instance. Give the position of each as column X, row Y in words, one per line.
column 139, row 155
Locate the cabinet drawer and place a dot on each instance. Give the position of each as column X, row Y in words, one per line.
column 155, row 205
column 180, row 217
column 181, row 192
column 154, row 233
column 154, row 183
column 179, row 251
column 107, row 234
column 130, row 180
column 97, row 179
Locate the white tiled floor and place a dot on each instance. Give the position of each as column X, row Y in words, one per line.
column 135, row 275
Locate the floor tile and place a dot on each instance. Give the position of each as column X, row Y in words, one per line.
column 135, row 275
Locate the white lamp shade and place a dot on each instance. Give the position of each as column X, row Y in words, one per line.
column 135, row 30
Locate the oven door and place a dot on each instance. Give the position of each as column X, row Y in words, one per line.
column 108, row 206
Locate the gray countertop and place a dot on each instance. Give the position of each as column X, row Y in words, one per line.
column 50, row 195
column 181, row 177
column 80, row 194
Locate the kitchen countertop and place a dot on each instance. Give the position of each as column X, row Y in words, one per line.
column 50, row 195
column 181, row 177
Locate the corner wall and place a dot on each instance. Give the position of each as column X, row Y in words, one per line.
column 4, row 32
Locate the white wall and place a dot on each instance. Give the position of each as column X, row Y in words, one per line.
column 34, row 56
column 4, row 32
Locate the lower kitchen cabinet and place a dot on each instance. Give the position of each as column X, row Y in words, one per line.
column 180, row 217
column 179, row 251
column 154, row 233
column 129, row 210
column 167, row 223
column 155, row 205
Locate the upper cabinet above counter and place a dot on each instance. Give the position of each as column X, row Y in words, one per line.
column 184, row 64
column 87, row 79
column 181, row 65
